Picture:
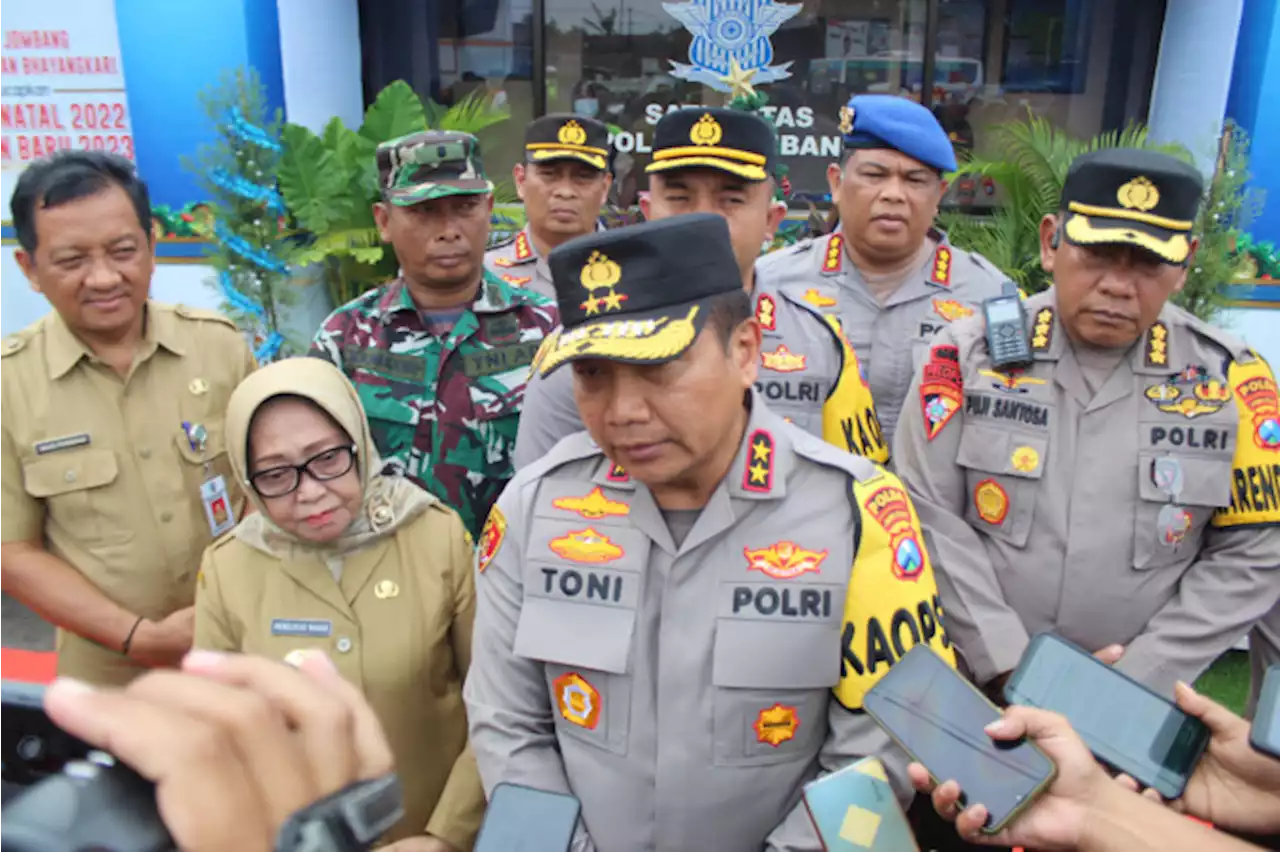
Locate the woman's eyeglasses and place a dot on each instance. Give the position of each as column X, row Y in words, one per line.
column 285, row 479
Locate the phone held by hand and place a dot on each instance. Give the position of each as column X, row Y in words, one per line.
column 938, row 718
column 523, row 819
column 1264, row 733
column 1126, row 725
column 855, row 809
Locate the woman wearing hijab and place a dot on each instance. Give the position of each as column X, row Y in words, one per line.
column 370, row 569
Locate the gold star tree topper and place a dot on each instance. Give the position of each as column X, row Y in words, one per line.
column 739, row 80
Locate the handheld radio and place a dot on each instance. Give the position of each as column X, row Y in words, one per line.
column 1007, row 340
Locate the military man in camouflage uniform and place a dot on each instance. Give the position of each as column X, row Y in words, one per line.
column 440, row 355
column 563, row 184
column 891, row 277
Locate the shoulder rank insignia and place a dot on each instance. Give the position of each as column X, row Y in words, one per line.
column 831, row 259
column 758, row 475
column 813, row 297
column 766, row 312
column 523, row 250
column 1156, row 351
column 593, row 506
column 1042, row 330
column 941, row 267
column 617, row 474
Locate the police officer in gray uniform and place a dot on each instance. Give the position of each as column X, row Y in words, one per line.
column 722, row 161
column 678, row 613
column 1120, row 489
column 891, row 277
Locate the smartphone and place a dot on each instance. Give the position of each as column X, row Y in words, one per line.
column 1126, row 726
column 855, row 809
column 1264, row 734
column 32, row 746
column 938, row 718
column 523, row 819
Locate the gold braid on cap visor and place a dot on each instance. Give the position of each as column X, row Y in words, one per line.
column 647, row 340
column 1082, row 231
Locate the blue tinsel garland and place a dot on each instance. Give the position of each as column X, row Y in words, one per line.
column 239, row 127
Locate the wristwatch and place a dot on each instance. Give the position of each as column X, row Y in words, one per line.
column 349, row 820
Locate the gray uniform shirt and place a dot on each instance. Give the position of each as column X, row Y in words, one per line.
column 517, row 262
column 1136, row 515
column 890, row 338
column 683, row 693
column 807, row 374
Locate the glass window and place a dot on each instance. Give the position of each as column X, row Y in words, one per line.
column 630, row 63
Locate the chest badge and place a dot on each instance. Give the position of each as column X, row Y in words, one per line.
column 198, row 387
column 889, row 506
column 593, row 506
column 784, row 560
column 1025, row 459
column 386, row 589
column 782, row 360
column 777, row 724
column 1191, row 393
column 951, row 310
column 991, row 501
column 813, row 297
column 588, row 546
column 1011, row 382
column 578, row 700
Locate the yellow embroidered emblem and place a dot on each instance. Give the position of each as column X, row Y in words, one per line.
column 386, row 589
column 782, row 360
column 601, row 273
column 198, row 387
column 706, row 131
column 516, row 280
column 846, row 119
column 587, row 546
column 831, row 263
column 777, row 724
column 593, row 507
column 1042, row 331
column 784, row 560
column 639, row 340
column 578, row 700
column 991, row 501
column 1138, row 194
column 818, row 300
column 951, row 310
column 1025, row 459
column 571, row 133
column 1157, row 354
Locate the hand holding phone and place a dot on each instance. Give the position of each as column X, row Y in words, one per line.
column 938, row 717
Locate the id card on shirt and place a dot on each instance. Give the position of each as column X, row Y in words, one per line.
column 217, row 505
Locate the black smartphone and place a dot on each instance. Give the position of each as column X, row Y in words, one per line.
column 32, row 746
column 1264, row 733
column 938, row 718
column 1126, row 725
column 523, row 819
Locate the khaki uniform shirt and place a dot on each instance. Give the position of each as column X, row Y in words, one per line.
column 100, row 468
column 397, row 625
column 686, row 693
column 517, row 262
column 1141, row 515
column 890, row 339
column 808, row 373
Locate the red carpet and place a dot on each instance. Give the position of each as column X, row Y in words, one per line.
column 29, row 666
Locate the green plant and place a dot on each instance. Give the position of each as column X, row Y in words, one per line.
column 330, row 182
column 244, row 218
column 1031, row 163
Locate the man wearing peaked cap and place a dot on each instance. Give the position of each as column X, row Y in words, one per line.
column 1118, row 489
column 678, row 542
column 563, row 183
column 890, row 275
column 440, row 356
column 722, row 161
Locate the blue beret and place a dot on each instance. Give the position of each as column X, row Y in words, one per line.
column 887, row 121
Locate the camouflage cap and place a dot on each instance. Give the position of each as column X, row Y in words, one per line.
column 430, row 164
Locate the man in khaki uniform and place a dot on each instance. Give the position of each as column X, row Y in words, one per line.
column 892, row 278
column 677, row 616
column 809, row 372
column 115, row 475
column 563, row 183
column 1121, row 489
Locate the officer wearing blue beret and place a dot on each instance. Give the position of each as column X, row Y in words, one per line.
column 891, row 277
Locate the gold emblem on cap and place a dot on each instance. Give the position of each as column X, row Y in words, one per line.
column 601, row 273
column 198, row 387
column 572, row 133
column 706, row 131
column 1139, row 194
column 385, row 589
column 846, row 119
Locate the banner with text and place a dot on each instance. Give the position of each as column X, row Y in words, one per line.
column 63, row 83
